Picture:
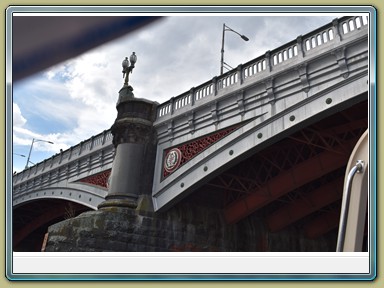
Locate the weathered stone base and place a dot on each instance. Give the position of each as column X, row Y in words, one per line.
column 128, row 230
column 185, row 227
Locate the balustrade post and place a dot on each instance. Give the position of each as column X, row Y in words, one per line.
column 336, row 30
column 70, row 153
column 214, row 84
column 268, row 61
column 104, row 136
column 192, row 93
column 92, row 143
column 61, row 156
column 240, row 73
column 80, row 148
column 172, row 103
column 300, row 48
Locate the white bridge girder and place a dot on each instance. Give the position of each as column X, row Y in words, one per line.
column 83, row 194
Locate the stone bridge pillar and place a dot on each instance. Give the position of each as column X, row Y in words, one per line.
column 133, row 139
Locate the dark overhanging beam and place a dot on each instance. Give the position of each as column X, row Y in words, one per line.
column 322, row 224
column 315, row 200
column 289, row 180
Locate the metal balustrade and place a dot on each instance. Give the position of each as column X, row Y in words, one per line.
column 285, row 54
column 353, row 23
column 254, row 68
column 319, row 39
column 271, row 59
column 66, row 164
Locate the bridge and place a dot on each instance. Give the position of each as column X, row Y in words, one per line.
column 269, row 139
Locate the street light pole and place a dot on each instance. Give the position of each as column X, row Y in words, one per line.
column 226, row 28
column 222, row 51
column 30, row 149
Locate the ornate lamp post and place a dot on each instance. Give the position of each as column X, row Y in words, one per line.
column 128, row 69
column 125, row 92
column 226, row 28
column 132, row 135
column 30, row 150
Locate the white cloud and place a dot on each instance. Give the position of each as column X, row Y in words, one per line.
column 71, row 95
column 18, row 119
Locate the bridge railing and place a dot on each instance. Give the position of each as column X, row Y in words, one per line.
column 268, row 62
column 48, row 166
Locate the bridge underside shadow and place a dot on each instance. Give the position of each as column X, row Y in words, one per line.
column 297, row 183
column 32, row 219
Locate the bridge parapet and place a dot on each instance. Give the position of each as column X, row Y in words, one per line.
column 89, row 157
column 302, row 49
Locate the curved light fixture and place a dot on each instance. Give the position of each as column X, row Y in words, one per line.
column 30, row 149
column 226, row 28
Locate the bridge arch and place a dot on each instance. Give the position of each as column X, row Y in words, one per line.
column 253, row 136
column 31, row 219
column 309, row 162
column 83, row 194
column 35, row 211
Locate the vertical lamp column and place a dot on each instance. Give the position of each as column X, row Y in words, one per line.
column 132, row 133
column 222, row 63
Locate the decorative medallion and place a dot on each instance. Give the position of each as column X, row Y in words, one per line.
column 172, row 160
column 178, row 156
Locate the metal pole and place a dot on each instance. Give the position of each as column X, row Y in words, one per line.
column 29, row 155
column 226, row 28
column 222, row 51
column 30, row 150
column 345, row 205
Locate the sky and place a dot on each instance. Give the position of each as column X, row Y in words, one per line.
column 75, row 99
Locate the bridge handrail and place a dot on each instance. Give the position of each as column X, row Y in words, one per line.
column 64, row 157
column 333, row 31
